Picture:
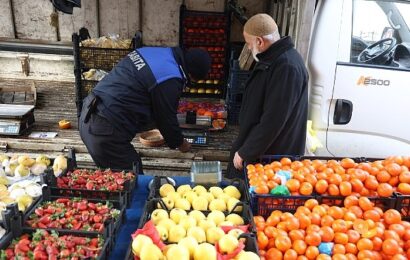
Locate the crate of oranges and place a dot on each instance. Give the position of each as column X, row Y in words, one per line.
column 329, row 180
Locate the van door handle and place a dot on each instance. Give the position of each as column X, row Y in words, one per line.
column 343, row 112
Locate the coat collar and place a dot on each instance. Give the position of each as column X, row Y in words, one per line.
column 269, row 56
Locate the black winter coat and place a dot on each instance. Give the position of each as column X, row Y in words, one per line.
column 274, row 109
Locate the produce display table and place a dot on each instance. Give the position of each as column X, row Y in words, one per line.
column 133, row 214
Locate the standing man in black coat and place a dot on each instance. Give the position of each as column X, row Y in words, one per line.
column 145, row 85
column 273, row 114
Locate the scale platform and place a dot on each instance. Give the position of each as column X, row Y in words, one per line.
column 15, row 119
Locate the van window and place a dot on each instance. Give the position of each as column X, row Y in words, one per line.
column 369, row 23
column 380, row 33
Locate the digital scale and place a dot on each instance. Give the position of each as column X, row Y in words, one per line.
column 198, row 137
column 195, row 128
column 15, row 119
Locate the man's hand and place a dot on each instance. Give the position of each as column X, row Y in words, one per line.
column 238, row 161
column 185, row 146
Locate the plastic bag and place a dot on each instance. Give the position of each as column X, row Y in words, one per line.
column 280, row 190
column 312, row 142
column 226, row 229
column 326, row 248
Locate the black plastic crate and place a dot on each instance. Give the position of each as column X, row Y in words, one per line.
column 209, row 31
column 87, row 86
column 403, row 205
column 264, row 204
column 250, row 245
column 123, row 197
column 381, row 202
column 153, row 204
column 111, row 226
column 9, row 238
column 237, row 78
column 158, row 181
column 233, row 113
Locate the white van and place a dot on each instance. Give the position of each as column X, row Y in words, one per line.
column 359, row 65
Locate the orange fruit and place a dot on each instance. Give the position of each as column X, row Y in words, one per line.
column 333, row 190
column 323, row 257
column 292, row 223
column 398, row 228
column 340, row 225
column 393, row 169
column 339, row 257
column 383, row 176
column 64, row 124
column 313, row 239
column 357, row 185
column 348, row 163
column 304, row 221
column 392, row 216
column 326, row 221
column 353, row 236
column 283, row 243
column 351, row 248
column 385, row 190
column 327, row 234
column 364, row 244
column 404, row 177
column 360, row 226
column 371, row 183
column 365, row 204
column 335, row 179
column 312, row 252
column 351, row 201
column 290, row 254
column 296, row 235
column 345, row 188
column 404, row 188
column 339, row 249
column 341, row 238
column 299, row 246
column 321, row 186
column 356, row 210
column 372, row 214
column 285, row 161
column 390, row 247
column 293, row 185
column 310, row 203
column 273, row 253
column 336, row 212
column 306, row 189
column 365, row 255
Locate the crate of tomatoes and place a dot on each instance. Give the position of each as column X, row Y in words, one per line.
column 284, row 183
column 107, row 184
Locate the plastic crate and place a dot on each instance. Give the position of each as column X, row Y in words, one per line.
column 123, row 197
column 237, row 78
column 9, row 238
column 158, row 181
column 403, row 205
column 101, row 58
column 153, row 204
column 233, row 113
column 209, row 31
column 87, row 86
column 111, row 226
column 383, row 203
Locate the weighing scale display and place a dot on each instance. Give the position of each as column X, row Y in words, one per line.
column 196, row 138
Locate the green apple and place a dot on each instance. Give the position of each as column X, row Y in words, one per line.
column 232, row 203
column 205, row 224
column 182, row 204
column 217, row 204
column 190, row 243
column 227, row 244
column 169, row 204
column 178, row 252
column 247, row 255
column 205, row 251
column 166, row 223
column 208, row 196
column 216, row 191
column 139, row 242
column 151, row 252
column 190, row 196
column 197, row 215
column 213, row 234
column 183, row 188
column 236, row 232
column 216, row 216
column 197, row 233
column 158, row 214
column 176, row 233
column 199, row 189
column 200, row 203
column 165, row 189
column 235, row 219
column 187, row 222
column 173, row 195
column 232, row 191
column 177, row 214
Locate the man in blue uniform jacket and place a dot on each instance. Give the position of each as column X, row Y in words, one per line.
column 145, row 85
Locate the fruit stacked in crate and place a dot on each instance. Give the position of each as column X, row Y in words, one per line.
column 209, row 31
column 357, row 229
column 197, row 221
column 329, row 180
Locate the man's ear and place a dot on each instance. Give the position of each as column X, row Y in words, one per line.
column 259, row 42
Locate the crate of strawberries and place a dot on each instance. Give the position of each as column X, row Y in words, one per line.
column 108, row 184
column 43, row 244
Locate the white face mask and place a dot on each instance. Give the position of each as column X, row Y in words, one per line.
column 255, row 51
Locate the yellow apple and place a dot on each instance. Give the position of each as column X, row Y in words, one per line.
column 190, row 243
column 183, row 188
column 226, row 224
column 205, row 224
column 182, row 204
column 187, row 222
column 176, row 233
column 213, row 234
column 228, row 243
column 151, row 252
column 197, row 215
column 236, row 232
column 208, row 196
column 139, row 242
column 166, row 223
column 173, row 196
column 235, row 219
column 165, row 189
column 178, row 252
column 199, row 189
column 158, row 214
column 200, row 203
column 197, row 233
column 216, row 191
column 232, row 203
column 247, row 255
column 205, row 251
column 190, row 196
column 177, row 214
column 232, row 191
column 217, row 204
column 169, row 204
column 163, row 232
column 216, row 216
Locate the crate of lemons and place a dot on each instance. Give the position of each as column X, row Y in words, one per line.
column 17, row 178
column 189, row 220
